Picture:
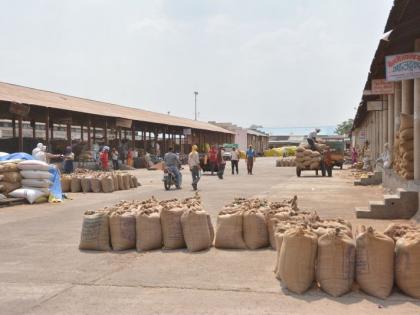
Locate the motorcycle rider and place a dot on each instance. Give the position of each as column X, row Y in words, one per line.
column 173, row 163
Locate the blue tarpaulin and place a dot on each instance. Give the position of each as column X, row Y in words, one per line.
column 56, row 194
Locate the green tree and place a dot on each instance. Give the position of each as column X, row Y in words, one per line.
column 344, row 128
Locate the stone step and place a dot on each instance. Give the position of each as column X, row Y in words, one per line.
column 363, row 213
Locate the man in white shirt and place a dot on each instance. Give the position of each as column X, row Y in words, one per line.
column 312, row 138
column 234, row 160
column 194, row 164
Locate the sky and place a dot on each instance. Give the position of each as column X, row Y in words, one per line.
column 274, row 63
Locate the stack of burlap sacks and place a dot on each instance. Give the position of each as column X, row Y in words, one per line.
column 289, row 161
column 334, row 260
column 308, row 159
column 403, row 148
column 10, row 178
column 147, row 225
column 96, row 181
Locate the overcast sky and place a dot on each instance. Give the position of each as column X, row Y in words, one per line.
column 276, row 63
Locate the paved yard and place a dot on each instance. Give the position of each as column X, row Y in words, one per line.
column 43, row 272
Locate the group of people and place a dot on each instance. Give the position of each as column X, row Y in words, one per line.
column 215, row 159
column 40, row 153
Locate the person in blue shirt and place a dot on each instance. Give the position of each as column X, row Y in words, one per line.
column 250, row 158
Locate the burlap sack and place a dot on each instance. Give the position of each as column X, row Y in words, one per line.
column 123, row 230
column 196, row 231
column 229, row 231
column 135, row 181
column 6, row 187
column 307, row 152
column 8, row 167
column 12, row 177
column 85, row 184
column 173, row 237
column 120, row 181
column 406, row 146
column 406, row 122
column 95, row 185
column 297, row 259
column 398, row 230
column 375, row 263
column 335, row 265
column 126, row 181
column 75, row 184
column 132, row 184
column 115, row 181
column 407, row 134
column 66, row 183
column 95, row 231
column 149, row 230
column 255, row 229
column 107, row 184
column 278, row 236
column 407, row 264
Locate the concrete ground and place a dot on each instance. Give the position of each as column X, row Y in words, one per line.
column 42, row 270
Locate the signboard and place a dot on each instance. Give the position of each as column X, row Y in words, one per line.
column 381, row 86
column 402, row 67
column 187, row 131
column 122, row 122
column 19, row 109
column 376, row 105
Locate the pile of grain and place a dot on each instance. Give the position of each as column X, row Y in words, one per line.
column 308, row 159
column 403, row 148
column 10, row 178
column 289, row 161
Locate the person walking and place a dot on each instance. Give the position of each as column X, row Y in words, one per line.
column 221, row 163
column 114, row 158
column 250, row 159
column 194, row 164
column 68, row 164
column 104, row 158
column 213, row 158
column 234, row 160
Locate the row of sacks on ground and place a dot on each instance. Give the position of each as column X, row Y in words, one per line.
column 404, row 147
column 337, row 263
column 289, row 161
column 28, row 179
column 307, row 158
column 83, row 180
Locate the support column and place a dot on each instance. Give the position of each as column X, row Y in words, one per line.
column 33, row 125
column 20, row 130
column 416, row 99
column 397, row 107
column 391, row 122
column 94, row 134
column 81, row 132
column 407, row 96
column 106, row 132
column 14, row 128
column 88, row 136
column 69, row 133
column 47, row 127
column 133, row 136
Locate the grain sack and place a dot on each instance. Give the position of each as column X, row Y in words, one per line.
column 406, row 121
column 195, row 229
column 30, row 194
column 6, row 187
column 278, row 236
column 115, row 181
column 335, row 265
column 407, row 264
column 120, row 181
column 375, row 263
column 135, row 181
column 107, row 184
column 398, row 230
column 66, row 183
column 126, row 181
column 75, row 184
column 12, row 177
column 33, row 165
column 132, row 184
column 95, row 231
column 406, row 146
column 148, row 230
column 37, row 183
column 255, row 229
column 36, row 174
column 123, row 230
column 229, row 231
column 173, row 237
column 297, row 259
column 85, row 184
column 8, row 167
column 407, row 134
column 95, row 185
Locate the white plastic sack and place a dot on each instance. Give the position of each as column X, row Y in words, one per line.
column 33, row 165
column 37, row 183
column 30, row 194
column 30, row 174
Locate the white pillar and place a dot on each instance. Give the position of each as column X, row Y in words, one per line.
column 385, row 126
column 397, row 107
column 407, row 91
column 391, row 122
column 416, row 99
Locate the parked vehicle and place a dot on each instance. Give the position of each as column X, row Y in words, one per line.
column 227, row 155
column 337, row 152
column 169, row 179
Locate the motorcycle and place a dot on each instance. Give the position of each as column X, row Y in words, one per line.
column 169, row 178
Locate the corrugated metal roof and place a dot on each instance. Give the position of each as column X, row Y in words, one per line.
column 25, row 95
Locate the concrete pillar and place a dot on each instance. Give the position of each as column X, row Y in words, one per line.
column 407, row 96
column 391, row 122
column 385, row 126
column 397, row 107
column 416, row 99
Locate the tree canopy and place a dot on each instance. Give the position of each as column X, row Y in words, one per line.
column 344, row 128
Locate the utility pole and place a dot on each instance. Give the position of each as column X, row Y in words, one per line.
column 195, row 105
